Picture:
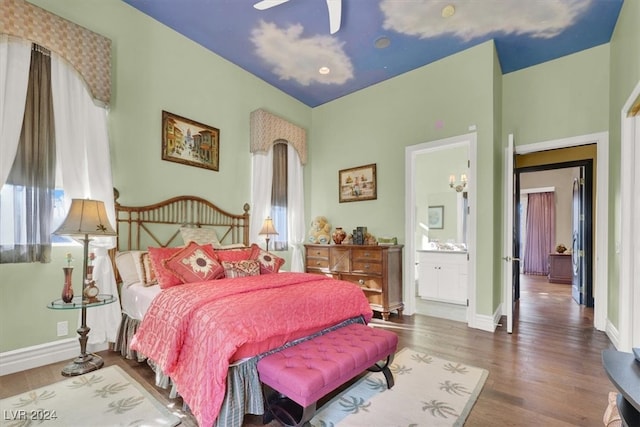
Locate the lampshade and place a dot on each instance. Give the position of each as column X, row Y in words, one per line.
column 86, row 217
column 267, row 227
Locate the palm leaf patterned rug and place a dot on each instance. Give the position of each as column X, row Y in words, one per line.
column 428, row 391
column 107, row 397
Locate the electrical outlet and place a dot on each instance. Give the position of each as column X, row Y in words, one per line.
column 63, row 328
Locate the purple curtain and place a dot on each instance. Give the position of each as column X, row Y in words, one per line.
column 541, row 233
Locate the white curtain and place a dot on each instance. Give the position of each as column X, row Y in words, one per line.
column 261, row 201
column 84, row 159
column 15, row 57
column 295, row 208
column 262, row 170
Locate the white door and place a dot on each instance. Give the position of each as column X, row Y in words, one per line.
column 508, row 234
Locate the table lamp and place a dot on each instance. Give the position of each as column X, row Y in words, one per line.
column 268, row 230
column 85, row 218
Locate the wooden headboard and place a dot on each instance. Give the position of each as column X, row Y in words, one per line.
column 159, row 224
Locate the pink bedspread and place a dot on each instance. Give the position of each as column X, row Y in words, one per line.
column 192, row 331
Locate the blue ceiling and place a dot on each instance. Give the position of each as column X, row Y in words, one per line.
column 287, row 44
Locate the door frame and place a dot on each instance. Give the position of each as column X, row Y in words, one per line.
column 587, row 164
column 601, row 211
column 626, row 244
column 409, row 285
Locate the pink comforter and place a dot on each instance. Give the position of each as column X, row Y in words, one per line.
column 192, row 331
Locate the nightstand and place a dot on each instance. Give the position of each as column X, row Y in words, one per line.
column 85, row 362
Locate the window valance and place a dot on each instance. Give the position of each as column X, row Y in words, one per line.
column 267, row 128
column 88, row 52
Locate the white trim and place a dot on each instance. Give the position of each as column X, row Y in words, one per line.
column 626, row 246
column 409, row 285
column 43, row 354
column 612, row 333
column 601, row 238
column 537, row 190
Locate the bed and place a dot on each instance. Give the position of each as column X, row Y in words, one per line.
column 205, row 335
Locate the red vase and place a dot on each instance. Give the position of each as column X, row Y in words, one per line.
column 339, row 235
column 67, row 290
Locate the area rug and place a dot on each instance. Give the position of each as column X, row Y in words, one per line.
column 428, row 391
column 107, row 397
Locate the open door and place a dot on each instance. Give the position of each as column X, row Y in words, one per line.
column 577, row 244
column 511, row 232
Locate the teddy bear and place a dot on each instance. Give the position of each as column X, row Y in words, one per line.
column 320, row 231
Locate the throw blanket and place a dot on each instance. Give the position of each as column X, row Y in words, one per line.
column 192, row 331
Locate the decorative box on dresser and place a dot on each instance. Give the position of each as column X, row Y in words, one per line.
column 377, row 269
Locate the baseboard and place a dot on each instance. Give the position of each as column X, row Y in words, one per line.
column 484, row 322
column 613, row 334
column 43, row 354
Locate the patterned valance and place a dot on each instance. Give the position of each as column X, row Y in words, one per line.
column 267, row 128
column 88, row 52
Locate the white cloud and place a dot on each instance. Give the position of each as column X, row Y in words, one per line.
column 477, row 18
column 293, row 57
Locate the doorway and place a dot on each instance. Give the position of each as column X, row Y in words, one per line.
column 567, row 225
column 440, row 218
column 567, row 149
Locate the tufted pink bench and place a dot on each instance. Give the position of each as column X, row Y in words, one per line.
column 312, row 369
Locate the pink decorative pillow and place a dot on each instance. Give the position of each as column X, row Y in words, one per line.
column 239, row 254
column 269, row 263
column 195, row 263
column 165, row 278
column 242, row 268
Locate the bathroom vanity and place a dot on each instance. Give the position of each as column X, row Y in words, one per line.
column 442, row 276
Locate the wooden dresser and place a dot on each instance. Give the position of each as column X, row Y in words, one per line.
column 377, row 269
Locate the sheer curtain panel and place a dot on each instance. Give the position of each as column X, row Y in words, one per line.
column 15, row 57
column 296, row 224
column 84, row 158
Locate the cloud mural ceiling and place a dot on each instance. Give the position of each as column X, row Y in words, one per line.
column 288, row 44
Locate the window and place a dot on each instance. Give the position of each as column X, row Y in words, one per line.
column 279, row 197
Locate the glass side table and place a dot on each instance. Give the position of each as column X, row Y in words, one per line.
column 85, row 362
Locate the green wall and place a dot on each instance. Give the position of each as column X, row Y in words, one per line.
column 624, row 69
column 376, row 124
column 154, row 68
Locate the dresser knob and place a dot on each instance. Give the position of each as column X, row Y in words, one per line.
column 366, row 266
column 317, row 262
column 361, row 281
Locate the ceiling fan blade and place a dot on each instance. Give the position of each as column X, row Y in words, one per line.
column 335, row 15
column 266, row 4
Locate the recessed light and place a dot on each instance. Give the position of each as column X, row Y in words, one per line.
column 448, row 11
column 324, row 70
column 382, row 42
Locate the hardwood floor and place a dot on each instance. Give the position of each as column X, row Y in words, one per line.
column 547, row 373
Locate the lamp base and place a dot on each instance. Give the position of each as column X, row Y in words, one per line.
column 83, row 364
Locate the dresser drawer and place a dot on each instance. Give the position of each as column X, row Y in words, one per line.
column 317, row 263
column 367, row 283
column 318, row 252
column 364, row 266
column 364, row 254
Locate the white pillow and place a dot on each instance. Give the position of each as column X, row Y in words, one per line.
column 130, row 267
column 201, row 236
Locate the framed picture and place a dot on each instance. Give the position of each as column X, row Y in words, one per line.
column 436, row 217
column 357, row 184
column 188, row 142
